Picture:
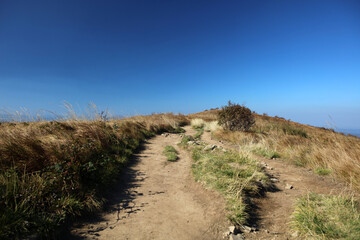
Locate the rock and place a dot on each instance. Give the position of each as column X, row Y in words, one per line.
column 190, row 142
column 289, row 186
column 246, row 229
column 226, row 234
column 295, row 234
column 274, row 180
column 232, row 229
column 236, row 237
column 209, row 147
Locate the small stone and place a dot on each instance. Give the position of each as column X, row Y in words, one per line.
column 246, row 229
column 226, row 234
column 236, row 237
column 289, row 186
column 232, row 229
column 274, row 180
column 190, row 142
column 295, row 234
column 209, row 147
column 254, row 229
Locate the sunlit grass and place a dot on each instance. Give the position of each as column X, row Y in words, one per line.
column 171, row 153
column 51, row 171
column 327, row 217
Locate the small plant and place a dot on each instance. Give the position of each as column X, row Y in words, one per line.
column 265, row 152
column 288, row 129
column 178, row 130
column 234, row 117
column 171, row 153
column 199, row 133
column 327, row 217
column 322, row 171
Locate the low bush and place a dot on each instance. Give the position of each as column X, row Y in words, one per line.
column 234, row 117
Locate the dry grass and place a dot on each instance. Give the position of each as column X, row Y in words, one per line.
column 50, row 171
column 197, row 123
column 235, row 175
column 207, row 116
column 327, row 217
column 316, row 148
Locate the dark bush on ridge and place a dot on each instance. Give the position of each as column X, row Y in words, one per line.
column 235, row 117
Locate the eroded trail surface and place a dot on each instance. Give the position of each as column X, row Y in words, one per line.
column 157, row 199
column 272, row 212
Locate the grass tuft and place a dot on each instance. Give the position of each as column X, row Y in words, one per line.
column 327, row 217
column 171, row 153
column 197, row 123
column 265, row 152
column 322, row 171
column 233, row 175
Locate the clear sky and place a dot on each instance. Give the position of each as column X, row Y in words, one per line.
column 295, row 59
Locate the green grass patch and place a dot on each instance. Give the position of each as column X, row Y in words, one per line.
column 322, row 171
column 265, row 152
column 296, row 131
column 231, row 174
column 327, row 217
column 177, row 130
column 171, row 153
column 199, row 133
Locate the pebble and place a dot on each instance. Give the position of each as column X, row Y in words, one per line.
column 236, row 237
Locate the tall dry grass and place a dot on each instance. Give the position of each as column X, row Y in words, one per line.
column 51, row 171
column 316, row 148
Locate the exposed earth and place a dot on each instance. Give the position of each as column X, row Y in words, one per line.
column 158, row 199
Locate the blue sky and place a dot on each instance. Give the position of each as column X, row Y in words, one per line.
column 295, row 59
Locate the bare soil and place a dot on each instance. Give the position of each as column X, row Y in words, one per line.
column 157, row 199
column 271, row 212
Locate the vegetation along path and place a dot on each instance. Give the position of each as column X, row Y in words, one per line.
column 158, row 199
column 272, row 212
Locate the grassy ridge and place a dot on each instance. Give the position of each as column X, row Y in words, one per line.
column 52, row 171
column 323, row 150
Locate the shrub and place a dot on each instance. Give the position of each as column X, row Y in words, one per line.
column 234, row 117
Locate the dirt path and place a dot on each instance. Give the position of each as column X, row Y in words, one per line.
column 274, row 210
column 157, row 199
